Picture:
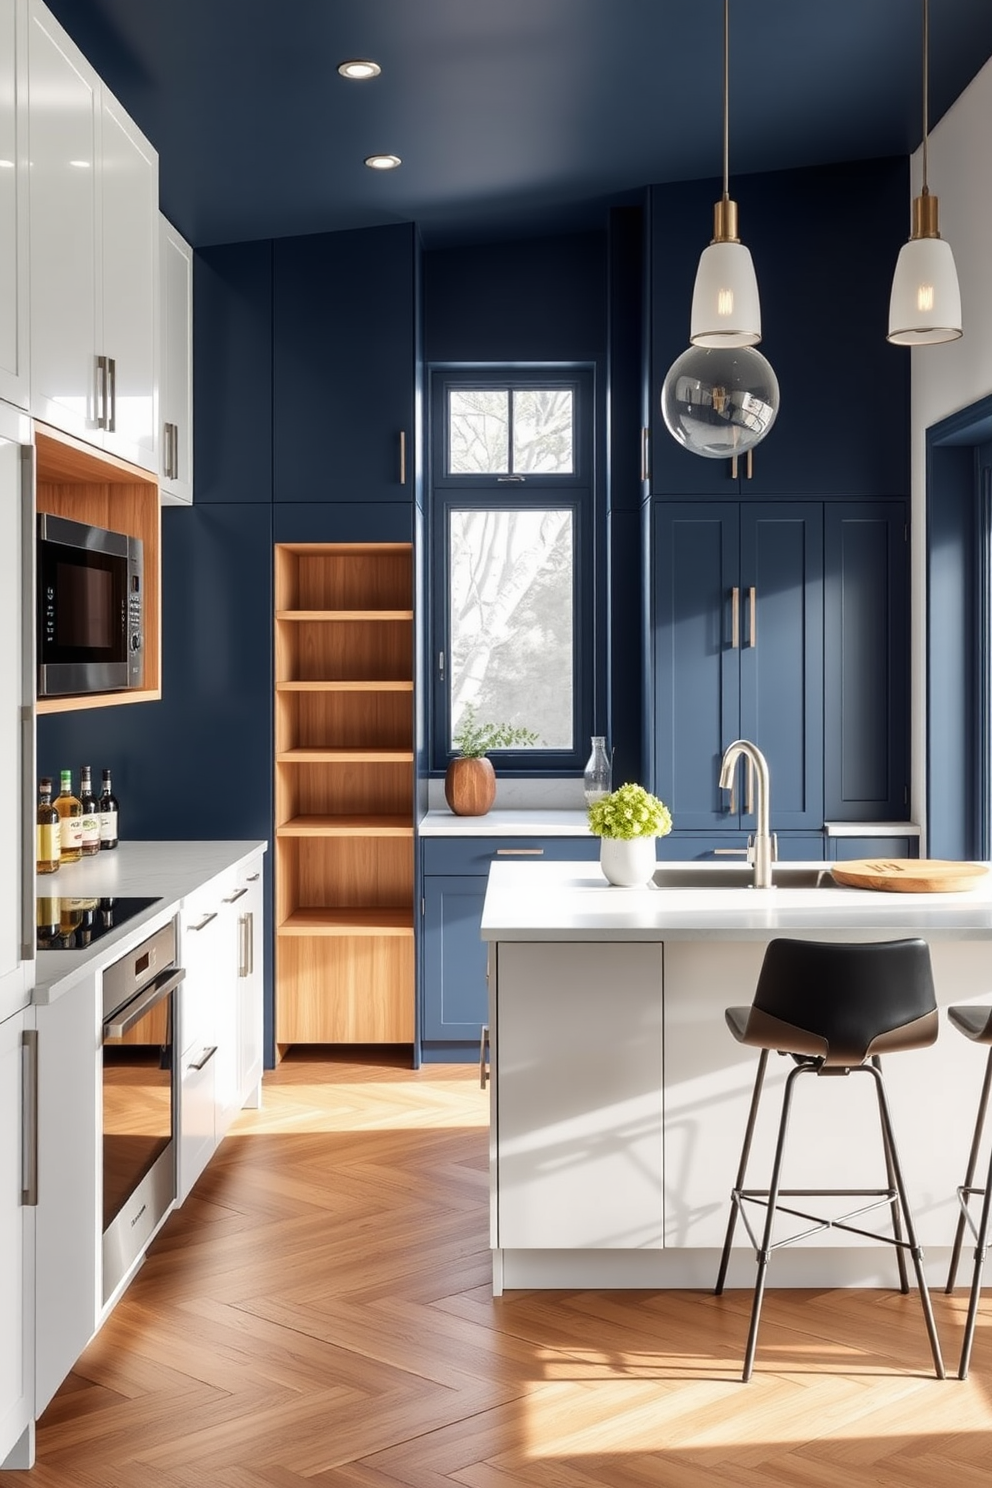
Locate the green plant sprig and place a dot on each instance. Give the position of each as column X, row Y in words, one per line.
column 473, row 739
column 629, row 811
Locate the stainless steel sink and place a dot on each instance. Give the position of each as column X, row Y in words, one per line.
column 740, row 876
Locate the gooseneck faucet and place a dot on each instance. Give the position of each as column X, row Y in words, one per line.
column 763, row 844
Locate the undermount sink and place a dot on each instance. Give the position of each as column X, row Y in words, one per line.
column 740, row 876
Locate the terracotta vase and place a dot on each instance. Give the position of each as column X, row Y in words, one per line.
column 470, row 786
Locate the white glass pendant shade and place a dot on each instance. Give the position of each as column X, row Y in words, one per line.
column 720, row 402
column 726, row 310
column 925, row 304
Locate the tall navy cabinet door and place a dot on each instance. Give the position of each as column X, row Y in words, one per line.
column 455, row 997
column 866, row 653
column 696, row 657
column 345, row 345
column 781, row 655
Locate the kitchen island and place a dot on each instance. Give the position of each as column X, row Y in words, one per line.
column 619, row 1097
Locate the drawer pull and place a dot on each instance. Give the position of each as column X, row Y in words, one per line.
column 204, row 1059
column 205, row 921
column 483, row 1069
column 520, row 852
column 730, row 852
column 236, row 895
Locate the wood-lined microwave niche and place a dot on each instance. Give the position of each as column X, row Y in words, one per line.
column 73, row 480
column 344, row 793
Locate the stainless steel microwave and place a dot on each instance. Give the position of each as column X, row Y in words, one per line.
column 90, row 604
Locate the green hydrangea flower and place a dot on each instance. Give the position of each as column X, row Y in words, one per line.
column 629, row 811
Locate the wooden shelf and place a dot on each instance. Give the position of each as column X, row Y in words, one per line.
column 320, row 686
column 346, row 826
column 336, row 922
column 312, row 756
column 344, row 793
column 343, row 617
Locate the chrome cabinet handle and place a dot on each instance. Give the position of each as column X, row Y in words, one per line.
column 112, row 418
column 101, row 373
column 246, row 952
column 402, row 457
column 483, row 1067
column 238, row 893
column 205, row 1058
column 519, row 852
column 752, row 638
column 645, row 445
column 730, row 852
column 254, row 877
column 204, row 922
column 735, row 618
column 29, row 1121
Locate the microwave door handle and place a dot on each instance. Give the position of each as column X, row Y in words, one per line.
column 132, row 1012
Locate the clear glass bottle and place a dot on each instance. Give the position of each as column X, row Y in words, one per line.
column 91, row 813
column 70, row 821
column 597, row 776
column 47, row 832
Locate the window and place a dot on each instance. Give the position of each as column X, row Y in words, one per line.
column 513, row 562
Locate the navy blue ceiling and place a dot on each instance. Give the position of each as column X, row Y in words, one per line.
column 511, row 116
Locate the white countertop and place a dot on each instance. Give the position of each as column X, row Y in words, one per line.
column 572, row 901
column 519, row 822
column 167, row 871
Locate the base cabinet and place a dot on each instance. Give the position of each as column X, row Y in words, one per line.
column 576, row 1045
column 16, row 1383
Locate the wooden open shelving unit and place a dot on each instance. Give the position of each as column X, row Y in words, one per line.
column 344, row 880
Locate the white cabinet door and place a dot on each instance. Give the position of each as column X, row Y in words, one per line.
column 16, row 1388
column 577, row 1066
column 14, row 286
column 208, row 1026
column 68, row 1218
column 250, row 985
column 129, row 244
column 17, row 733
column 64, row 112
column 176, row 365
column 93, row 254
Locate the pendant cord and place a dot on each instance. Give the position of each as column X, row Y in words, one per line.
column 726, row 98
column 926, row 89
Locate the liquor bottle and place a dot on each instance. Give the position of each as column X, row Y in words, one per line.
column 91, row 813
column 108, row 814
column 70, row 821
column 47, row 831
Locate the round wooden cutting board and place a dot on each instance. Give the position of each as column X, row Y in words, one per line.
column 910, row 875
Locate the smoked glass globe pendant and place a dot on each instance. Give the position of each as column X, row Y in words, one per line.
column 720, row 401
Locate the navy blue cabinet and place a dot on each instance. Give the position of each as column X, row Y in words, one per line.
column 345, row 366
column 738, row 651
column 843, row 849
column 866, row 661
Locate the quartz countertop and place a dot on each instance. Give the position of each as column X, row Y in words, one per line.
column 167, row 871
column 572, row 901
column 519, row 822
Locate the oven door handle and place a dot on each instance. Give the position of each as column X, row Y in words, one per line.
column 132, row 1012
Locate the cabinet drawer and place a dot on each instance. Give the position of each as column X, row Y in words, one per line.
column 197, row 1107
column 475, row 854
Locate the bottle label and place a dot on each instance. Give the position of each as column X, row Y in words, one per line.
column 71, row 832
column 48, row 843
column 91, row 830
column 108, row 826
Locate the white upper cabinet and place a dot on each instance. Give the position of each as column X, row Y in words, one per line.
column 14, row 202
column 176, row 379
column 94, row 254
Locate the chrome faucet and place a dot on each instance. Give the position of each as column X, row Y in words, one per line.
column 762, row 846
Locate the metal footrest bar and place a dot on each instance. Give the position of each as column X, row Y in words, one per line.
column 818, row 1223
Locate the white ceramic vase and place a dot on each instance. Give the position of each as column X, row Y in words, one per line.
column 627, row 862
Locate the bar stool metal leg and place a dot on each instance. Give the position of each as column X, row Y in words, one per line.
column 735, row 1203
column 981, row 1246
column 766, row 1239
column 969, row 1176
column 896, row 1220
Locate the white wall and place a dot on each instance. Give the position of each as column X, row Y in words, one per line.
column 948, row 377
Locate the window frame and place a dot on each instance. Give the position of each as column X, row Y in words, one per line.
column 575, row 491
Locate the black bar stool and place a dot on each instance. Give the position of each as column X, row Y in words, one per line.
column 975, row 1023
column 834, row 1009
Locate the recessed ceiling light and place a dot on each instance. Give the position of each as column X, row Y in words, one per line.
column 359, row 67
column 382, row 162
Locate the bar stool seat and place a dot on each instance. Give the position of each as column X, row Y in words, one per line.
column 976, row 1024
column 834, row 1008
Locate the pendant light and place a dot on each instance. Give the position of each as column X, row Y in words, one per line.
column 726, row 310
column 720, row 401
column 925, row 304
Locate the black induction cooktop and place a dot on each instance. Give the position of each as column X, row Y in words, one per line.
column 71, row 924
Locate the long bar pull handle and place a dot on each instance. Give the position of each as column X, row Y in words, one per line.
column 749, row 467
column 730, row 852
column 402, row 457
column 101, row 392
column 204, row 1060
column 520, row 852
column 112, row 419
column 238, row 894
column 645, row 442
column 244, row 950
column 752, row 635
column 733, row 467
column 483, row 1067
column 204, row 922
column 29, row 1121
column 735, row 618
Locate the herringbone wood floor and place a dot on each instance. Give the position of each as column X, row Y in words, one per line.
column 319, row 1312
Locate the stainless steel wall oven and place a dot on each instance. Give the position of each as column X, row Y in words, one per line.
column 140, row 1085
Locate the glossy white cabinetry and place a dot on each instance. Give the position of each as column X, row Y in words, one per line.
column 68, row 1217
column 14, row 284
column 250, row 986
column 16, row 712
column 94, row 254
column 576, row 1041
column 176, row 365
column 16, row 1231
